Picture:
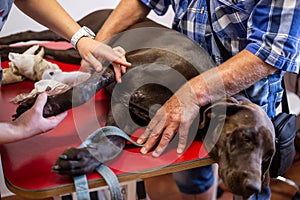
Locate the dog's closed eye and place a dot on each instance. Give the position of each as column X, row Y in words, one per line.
column 243, row 139
column 246, row 138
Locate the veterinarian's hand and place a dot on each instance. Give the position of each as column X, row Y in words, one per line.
column 75, row 162
column 176, row 115
column 94, row 53
column 32, row 121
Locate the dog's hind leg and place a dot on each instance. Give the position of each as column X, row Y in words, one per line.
column 93, row 20
column 46, row 35
column 67, row 56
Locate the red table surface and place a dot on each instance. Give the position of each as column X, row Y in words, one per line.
column 27, row 164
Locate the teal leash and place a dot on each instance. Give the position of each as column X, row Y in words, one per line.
column 81, row 186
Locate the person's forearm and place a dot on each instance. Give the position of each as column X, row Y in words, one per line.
column 231, row 77
column 9, row 133
column 50, row 14
column 127, row 13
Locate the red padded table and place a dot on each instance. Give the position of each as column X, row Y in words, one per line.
column 27, row 164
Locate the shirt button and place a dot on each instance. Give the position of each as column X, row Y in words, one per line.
column 202, row 10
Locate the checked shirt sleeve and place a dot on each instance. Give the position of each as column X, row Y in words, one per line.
column 160, row 7
column 274, row 33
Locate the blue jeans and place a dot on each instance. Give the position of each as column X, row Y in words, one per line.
column 194, row 181
column 199, row 180
column 265, row 194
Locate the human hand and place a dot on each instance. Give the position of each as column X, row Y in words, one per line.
column 32, row 121
column 176, row 115
column 94, row 53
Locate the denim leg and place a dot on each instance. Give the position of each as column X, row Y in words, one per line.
column 265, row 194
column 194, row 181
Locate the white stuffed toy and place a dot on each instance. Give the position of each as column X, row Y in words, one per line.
column 28, row 65
column 50, row 78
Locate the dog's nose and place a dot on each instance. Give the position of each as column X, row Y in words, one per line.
column 252, row 186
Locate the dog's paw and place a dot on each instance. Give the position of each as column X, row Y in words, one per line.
column 75, row 161
column 23, row 107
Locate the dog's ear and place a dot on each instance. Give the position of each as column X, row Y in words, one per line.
column 213, row 119
column 218, row 111
column 268, row 154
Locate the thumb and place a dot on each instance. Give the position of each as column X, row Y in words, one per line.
column 55, row 120
column 40, row 102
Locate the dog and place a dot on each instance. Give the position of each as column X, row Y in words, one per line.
column 239, row 143
column 241, row 136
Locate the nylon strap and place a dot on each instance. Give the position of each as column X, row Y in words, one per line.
column 111, row 180
column 82, row 188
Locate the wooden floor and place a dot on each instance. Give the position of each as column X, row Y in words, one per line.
column 163, row 187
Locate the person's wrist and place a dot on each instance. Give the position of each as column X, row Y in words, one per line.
column 82, row 32
column 18, row 130
column 83, row 42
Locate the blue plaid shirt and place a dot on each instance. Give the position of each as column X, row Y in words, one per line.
column 267, row 28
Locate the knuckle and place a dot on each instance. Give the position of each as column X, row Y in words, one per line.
column 182, row 137
column 168, row 135
column 184, row 123
column 155, row 136
column 174, row 118
column 148, row 130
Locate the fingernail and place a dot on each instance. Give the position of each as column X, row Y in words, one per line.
column 143, row 150
column 139, row 141
column 56, row 167
column 179, row 150
column 63, row 156
column 156, row 153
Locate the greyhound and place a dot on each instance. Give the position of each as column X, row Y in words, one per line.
column 241, row 136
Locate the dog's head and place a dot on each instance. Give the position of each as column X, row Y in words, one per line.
column 242, row 141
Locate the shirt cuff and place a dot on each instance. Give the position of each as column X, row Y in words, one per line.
column 273, row 59
column 160, row 7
